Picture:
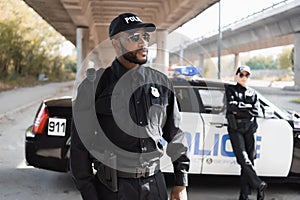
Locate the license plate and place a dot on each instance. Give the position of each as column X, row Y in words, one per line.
column 57, row 127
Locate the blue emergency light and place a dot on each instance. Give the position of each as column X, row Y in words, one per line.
column 188, row 71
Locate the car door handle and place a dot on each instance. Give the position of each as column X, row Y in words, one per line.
column 218, row 125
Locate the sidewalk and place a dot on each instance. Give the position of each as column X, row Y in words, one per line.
column 274, row 87
column 21, row 98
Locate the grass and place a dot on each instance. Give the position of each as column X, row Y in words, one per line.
column 296, row 100
column 19, row 82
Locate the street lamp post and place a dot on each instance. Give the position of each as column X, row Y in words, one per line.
column 219, row 42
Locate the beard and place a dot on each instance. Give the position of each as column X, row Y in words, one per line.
column 131, row 56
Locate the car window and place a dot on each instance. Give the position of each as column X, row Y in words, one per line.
column 213, row 100
column 187, row 100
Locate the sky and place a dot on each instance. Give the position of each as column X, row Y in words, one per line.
column 231, row 11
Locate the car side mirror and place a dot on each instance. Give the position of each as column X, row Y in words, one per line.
column 269, row 112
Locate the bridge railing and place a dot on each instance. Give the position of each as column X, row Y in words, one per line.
column 239, row 21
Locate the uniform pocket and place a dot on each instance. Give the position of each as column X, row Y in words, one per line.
column 157, row 112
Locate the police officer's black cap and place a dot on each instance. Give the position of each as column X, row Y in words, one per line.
column 126, row 22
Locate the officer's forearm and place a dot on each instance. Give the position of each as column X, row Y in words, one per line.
column 181, row 168
column 179, row 193
column 232, row 108
column 181, row 161
column 181, row 179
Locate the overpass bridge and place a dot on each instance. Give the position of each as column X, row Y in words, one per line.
column 85, row 22
column 277, row 25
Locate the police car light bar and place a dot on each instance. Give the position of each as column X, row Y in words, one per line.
column 187, row 70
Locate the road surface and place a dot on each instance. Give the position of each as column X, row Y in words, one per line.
column 20, row 182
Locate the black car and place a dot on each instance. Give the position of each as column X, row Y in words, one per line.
column 201, row 105
column 43, row 150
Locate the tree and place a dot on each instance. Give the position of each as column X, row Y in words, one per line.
column 262, row 62
column 284, row 59
column 10, row 48
column 28, row 45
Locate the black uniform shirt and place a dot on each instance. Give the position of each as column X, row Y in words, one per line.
column 241, row 100
column 136, row 110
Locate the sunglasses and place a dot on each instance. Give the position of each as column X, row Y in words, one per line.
column 242, row 75
column 135, row 37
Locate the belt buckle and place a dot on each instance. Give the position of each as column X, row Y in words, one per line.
column 151, row 170
column 145, row 172
column 140, row 172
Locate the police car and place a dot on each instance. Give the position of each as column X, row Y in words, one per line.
column 201, row 105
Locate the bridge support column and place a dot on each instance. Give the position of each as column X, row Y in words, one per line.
column 297, row 61
column 82, row 44
column 296, row 64
column 181, row 54
column 162, row 57
column 236, row 61
column 201, row 61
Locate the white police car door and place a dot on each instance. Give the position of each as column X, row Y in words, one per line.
column 217, row 150
column 192, row 125
column 274, row 147
column 274, row 143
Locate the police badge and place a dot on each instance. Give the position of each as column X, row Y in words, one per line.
column 155, row 92
column 249, row 93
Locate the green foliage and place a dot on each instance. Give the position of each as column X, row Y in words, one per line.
column 296, row 100
column 262, row 62
column 71, row 65
column 284, row 58
column 28, row 45
column 292, row 58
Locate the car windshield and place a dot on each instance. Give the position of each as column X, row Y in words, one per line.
column 281, row 112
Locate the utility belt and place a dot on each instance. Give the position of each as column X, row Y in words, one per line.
column 245, row 120
column 139, row 172
column 108, row 174
column 234, row 123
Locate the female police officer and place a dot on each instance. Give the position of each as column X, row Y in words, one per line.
column 242, row 109
column 136, row 109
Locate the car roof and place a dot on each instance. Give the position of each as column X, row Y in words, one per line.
column 64, row 101
column 199, row 82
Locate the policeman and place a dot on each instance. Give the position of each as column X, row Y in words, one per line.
column 136, row 111
column 242, row 110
